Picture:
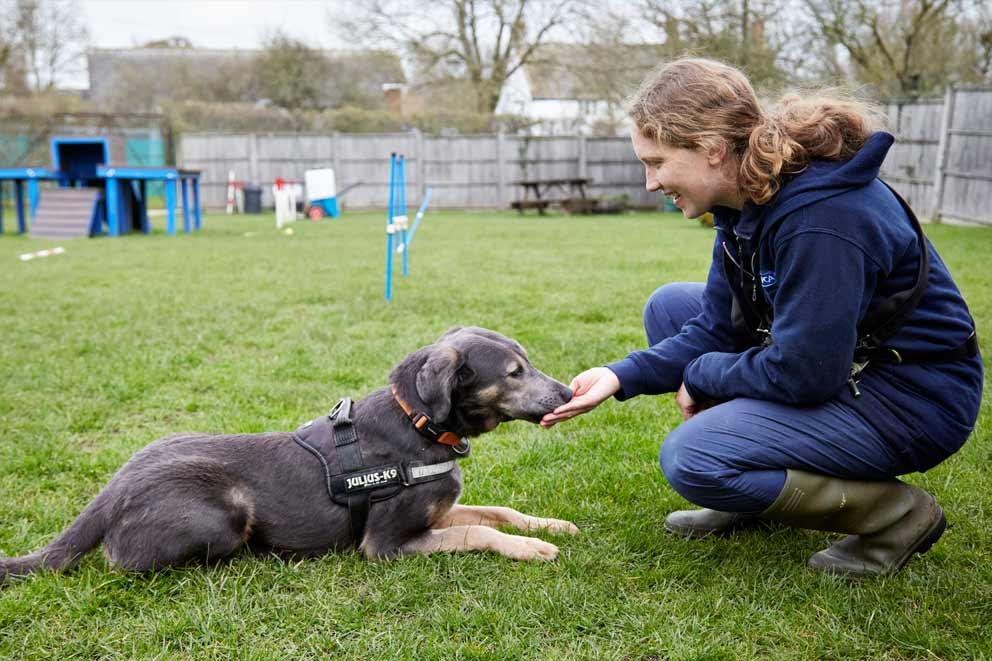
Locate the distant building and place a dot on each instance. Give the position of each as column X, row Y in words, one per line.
column 577, row 88
column 146, row 76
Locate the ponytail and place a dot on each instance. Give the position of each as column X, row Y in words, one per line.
column 796, row 131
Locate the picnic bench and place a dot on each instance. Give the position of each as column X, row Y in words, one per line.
column 568, row 193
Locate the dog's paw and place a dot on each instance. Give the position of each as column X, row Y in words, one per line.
column 529, row 548
column 562, row 527
column 554, row 526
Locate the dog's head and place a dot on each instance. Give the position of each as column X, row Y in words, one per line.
column 472, row 379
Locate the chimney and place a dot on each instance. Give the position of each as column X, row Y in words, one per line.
column 394, row 97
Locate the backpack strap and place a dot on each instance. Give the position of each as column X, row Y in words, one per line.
column 882, row 323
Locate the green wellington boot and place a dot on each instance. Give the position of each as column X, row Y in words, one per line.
column 888, row 521
column 700, row 523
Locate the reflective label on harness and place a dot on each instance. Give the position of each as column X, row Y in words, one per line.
column 372, row 478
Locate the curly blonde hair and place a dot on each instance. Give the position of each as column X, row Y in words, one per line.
column 695, row 103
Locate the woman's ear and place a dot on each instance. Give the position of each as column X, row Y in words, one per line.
column 716, row 152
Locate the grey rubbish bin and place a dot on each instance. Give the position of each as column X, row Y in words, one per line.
column 253, row 198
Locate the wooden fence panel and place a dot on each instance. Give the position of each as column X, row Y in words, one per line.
column 478, row 171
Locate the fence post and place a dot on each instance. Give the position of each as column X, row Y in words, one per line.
column 336, row 159
column 421, row 165
column 500, row 174
column 943, row 146
column 583, row 164
column 253, row 171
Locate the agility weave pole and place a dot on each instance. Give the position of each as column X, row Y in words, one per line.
column 416, row 221
column 402, row 220
column 390, row 229
column 398, row 221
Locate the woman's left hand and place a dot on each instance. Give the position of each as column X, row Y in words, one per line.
column 687, row 405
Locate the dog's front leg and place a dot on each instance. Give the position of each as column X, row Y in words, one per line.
column 480, row 538
column 467, row 515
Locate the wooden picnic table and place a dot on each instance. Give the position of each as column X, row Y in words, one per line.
column 569, row 193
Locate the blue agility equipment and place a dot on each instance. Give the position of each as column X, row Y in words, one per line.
column 402, row 220
column 92, row 193
column 397, row 221
column 416, row 221
column 390, row 228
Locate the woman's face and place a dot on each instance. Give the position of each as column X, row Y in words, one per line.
column 695, row 179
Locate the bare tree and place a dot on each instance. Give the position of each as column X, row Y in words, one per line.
column 754, row 35
column 11, row 73
column 481, row 41
column 901, row 47
column 976, row 41
column 51, row 38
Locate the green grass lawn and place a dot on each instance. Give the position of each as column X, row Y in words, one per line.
column 242, row 329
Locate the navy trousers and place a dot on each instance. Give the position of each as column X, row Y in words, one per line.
column 733, row 457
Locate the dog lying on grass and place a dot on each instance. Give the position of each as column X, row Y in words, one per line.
column 380, row 477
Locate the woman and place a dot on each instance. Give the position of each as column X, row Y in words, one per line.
column 826, row 353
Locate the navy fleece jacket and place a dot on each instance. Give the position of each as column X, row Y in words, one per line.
column 840, row 244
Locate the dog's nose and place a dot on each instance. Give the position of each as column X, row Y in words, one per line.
column 566, row 393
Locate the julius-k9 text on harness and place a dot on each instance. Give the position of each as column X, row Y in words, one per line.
column 358, row 486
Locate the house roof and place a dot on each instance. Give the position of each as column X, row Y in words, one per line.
column 347, row 69
column 589, row 71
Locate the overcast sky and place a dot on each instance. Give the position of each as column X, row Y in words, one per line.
column 241, row 24
column 208, row 23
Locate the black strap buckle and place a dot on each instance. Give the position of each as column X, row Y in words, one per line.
column 430, row 429
column 341, row 411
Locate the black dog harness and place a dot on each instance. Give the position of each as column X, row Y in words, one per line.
column 878, row 326
column 358, row 486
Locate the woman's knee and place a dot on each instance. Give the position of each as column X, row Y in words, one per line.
column 691, row 469
column 669, row 307
column 706, row 462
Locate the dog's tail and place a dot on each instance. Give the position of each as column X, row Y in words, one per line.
column 65, row 551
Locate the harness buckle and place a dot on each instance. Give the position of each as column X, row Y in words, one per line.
column 766, row 335
column 341, row 410
column 425, row 425
column 855, row 376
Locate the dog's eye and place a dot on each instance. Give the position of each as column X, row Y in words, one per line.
column 519, row 371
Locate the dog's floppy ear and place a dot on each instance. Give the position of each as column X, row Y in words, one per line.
column 437, row 379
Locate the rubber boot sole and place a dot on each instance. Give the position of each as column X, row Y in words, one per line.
column 690, row 532
column 934, row 533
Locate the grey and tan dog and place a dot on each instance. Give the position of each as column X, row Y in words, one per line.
column 194, row 497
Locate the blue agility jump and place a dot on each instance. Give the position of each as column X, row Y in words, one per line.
column 397, row 220
column 119, row 193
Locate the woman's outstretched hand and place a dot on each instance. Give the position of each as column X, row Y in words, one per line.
column 589, row 390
